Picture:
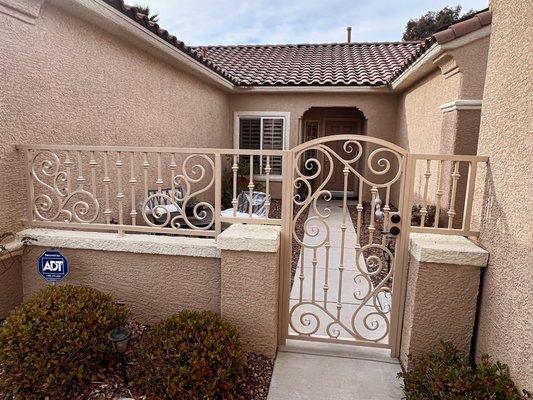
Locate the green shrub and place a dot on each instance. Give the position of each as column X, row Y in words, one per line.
column 446, row 374
column 192, row 355
column 52, row 344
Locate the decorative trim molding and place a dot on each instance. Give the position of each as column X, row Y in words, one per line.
column 459, row 105
column 134, row 243
column 26, row 11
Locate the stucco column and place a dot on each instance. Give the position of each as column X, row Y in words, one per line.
column 442, row 290
column 249, row 284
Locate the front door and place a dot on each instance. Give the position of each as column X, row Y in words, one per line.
column 340, row 127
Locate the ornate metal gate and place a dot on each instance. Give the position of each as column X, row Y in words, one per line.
column 343, row 282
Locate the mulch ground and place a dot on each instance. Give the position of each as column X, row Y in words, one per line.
column 255, row 385
column 110, row 386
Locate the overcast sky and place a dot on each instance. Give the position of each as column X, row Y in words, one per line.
column 213, row 22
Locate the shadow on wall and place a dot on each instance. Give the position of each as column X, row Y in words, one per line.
column 503, row 326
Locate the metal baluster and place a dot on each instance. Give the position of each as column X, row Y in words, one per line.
column 107, row 182
column 159, row 180
column 93, row 164
column 80, row 178
column 423, row 209
column 371, row 227
column 314, row 262
column 68, row 165
column 386, row 216
column 267, row 173
column 218, row 193
column 451, row 211
column 325, row 288
column 234, row 201
column 120, row 196
column 471, row 184
column 133, row 182
column 359, row 212
column 251, row 187
column 345, row 172
column 173, row 167
column 302, row 275
column 30, row 189
column 145, row 166
column 439, row 193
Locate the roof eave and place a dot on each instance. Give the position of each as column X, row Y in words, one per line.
column 313, row 89
column 425, row 63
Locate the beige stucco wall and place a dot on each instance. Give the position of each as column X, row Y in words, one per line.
column 419, row 116
column 153, row 286
column 378, row 109
column 506, row 135
column 64, row 81
column 10, row 285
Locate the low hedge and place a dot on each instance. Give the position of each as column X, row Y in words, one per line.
column 447, row 374
column 52, row 344
column 192, row 355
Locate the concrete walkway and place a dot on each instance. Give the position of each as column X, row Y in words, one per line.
column 319, row 288
column 312, row 370
column 341, row 375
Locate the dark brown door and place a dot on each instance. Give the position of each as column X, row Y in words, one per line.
column 340, row 127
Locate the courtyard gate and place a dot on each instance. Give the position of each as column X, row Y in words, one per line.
column 344, row 241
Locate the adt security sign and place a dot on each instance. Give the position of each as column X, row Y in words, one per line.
column 53, row 266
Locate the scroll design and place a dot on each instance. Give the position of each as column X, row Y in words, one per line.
column 60, row 203
column 192, row 173
column 370, row 322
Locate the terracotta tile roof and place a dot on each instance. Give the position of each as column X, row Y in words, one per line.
column 335, row 64
column 464, row 26
column 312, row 64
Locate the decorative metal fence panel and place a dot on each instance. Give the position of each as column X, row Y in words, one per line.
column 343, row 262
column 148, row 190
column 443, row 192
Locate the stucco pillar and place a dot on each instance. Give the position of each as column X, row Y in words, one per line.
column 442, row 290
column 249, row 284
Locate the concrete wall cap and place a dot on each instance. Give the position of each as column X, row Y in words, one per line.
column 133, row 243
column 258, row 238
column 447, row 249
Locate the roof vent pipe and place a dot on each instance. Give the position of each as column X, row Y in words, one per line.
column 349, row 34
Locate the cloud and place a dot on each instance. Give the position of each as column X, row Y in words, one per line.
column 213, row 22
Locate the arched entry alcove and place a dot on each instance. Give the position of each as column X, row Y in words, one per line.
column 326, row 121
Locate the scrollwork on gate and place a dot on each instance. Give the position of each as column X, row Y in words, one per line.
column 379, row 169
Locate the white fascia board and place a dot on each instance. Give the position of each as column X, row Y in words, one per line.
column 417, row 69
column 312, row 89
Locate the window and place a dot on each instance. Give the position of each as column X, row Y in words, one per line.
column 262, row 131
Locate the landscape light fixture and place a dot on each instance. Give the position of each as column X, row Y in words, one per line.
column 120, row 338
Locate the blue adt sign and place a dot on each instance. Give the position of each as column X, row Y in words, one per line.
column 53, row 266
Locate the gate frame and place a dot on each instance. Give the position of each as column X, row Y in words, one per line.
column 401, row 250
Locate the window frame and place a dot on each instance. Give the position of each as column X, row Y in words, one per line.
column 237, row 115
